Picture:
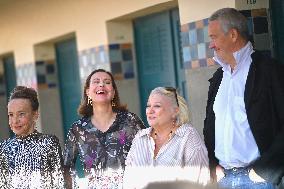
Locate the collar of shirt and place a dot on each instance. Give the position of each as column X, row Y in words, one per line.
column 240, row 57
column 179, row 132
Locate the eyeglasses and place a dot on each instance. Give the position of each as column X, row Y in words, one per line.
column 172, row 89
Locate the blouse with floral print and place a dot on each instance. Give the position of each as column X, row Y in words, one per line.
column 97, row 150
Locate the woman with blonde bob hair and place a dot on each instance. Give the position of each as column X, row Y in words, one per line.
column 170, row 145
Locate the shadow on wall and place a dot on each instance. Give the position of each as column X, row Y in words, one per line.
column 179, row 185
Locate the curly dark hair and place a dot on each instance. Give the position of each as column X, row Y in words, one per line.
column 23, row 92
column 85, row 109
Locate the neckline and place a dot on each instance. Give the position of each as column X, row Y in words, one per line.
column 29, row 136
column 111, row 128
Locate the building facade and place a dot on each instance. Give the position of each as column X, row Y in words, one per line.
column 53, row 45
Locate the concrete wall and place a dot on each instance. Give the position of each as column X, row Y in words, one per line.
column 30, row 28
column 192, row 10
column 25, row 23
column 197, row 83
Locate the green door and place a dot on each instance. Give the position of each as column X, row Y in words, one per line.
column 9, row 74
column 180, row 72
column 157, row 53
column 69, row 86
column 69, row 81
column 10, row 79
column 277, row 14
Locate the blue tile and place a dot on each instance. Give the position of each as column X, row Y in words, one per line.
column 116, row 67
column 187, row 65
column 206, row 21
column 41, row 79
column 128, row 75
column 186, row 54
column 261, row 41
column 192, row 37
column 114, row 46
column 201, row 50
column 209, row 52
column 101, row 57
column 128, row 69
column 51, row 85
column 203, row 63
column 193, row 52
column 93, row 50
column 38, row 63
column 260, row 25
column 200, row 35
column 205, row 34
column 102, row 48
column 127, row 54
column 50, row 68
column 191, row 25
column 250, row 25
column 115, row 55
column 184, row 39
column 246, row 13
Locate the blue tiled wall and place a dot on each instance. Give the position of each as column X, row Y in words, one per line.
column 118, row 58
column 26, row 75
column 46, row 74
column 195, row 40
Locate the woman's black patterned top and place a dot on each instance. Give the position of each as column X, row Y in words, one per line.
column 33, row 161
column 100, row 151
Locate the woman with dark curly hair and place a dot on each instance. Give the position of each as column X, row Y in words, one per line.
column 103, row 136
column 29, row 159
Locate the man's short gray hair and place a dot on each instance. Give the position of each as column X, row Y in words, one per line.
column 230, row 18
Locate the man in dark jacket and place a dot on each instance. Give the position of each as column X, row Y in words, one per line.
column 244, row 124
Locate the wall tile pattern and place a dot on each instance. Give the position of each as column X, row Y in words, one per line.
column 195, row 40
column 26, row 75
column 118, row 58
column 115, row 57
column 46, row 74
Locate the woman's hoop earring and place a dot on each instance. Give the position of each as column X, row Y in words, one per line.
column 90, row 101
column 113, row 103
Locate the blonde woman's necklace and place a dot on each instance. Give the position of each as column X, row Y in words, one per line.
column 168, row 138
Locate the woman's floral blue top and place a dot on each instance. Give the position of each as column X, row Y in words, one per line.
column 100, row 151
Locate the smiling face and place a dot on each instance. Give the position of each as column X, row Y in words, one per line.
column 101, row 89
column 21, row 116
column 221, row 42
column 160, row 111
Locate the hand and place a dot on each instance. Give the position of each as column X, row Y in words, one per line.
column 219, row 173
column 255, row 177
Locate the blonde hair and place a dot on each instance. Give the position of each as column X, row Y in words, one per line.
column 177, row 102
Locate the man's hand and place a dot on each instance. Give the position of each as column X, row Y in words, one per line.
column 255, row 177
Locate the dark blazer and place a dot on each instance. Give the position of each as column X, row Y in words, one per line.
column 264, row 102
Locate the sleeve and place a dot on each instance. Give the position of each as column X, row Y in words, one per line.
column 133, row 126
column 196, row 159
column 270, row 165
column 137, row 122
column 132, row 174
column 56, row 162
column 3, row 168
column 69, row 159
column 131, row 154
